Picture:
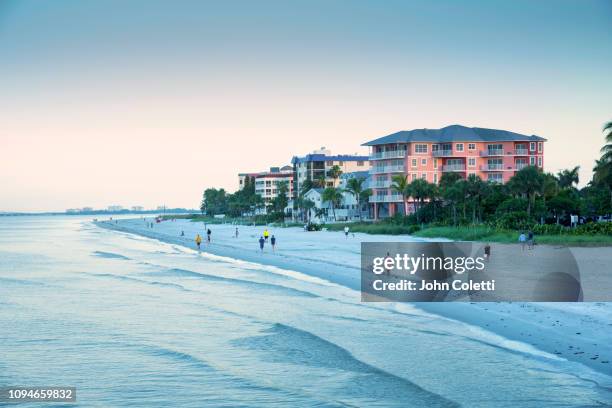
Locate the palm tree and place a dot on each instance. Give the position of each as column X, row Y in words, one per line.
column 452, row 191
column 307, row 205
column 602, row 174
column 354, row 186
column 607, row 149
column 319, row 182
column 529, row 182
column 419, row 190
column 335, row 173
column 400, row 184
column 475, row 189
column 567, row 178
column 550, row 189
column 333, row 196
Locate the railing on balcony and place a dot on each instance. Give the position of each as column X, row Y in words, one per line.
column 387, row 169
column 389, row 198
column 521, row 152
column 453, row 167
column 492, row 167
column 391, row 154
column 442, row 153
column 492, row 152
column 380, row 184
column 520, row 166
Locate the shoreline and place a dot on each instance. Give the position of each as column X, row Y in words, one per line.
column 573, row 331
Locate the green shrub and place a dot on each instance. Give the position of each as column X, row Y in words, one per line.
column 515, row 220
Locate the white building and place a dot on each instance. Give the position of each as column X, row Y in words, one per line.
column 267, row 184
column 318, row 164
column 348, row 210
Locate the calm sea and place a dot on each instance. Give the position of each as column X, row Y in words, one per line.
column 134, row 322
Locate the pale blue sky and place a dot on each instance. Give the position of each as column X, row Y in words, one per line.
column 103, row 102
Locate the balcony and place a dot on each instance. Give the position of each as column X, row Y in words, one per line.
column 389, row 198
column 521, row 152
column 520, row 166
column 387, row 169
column 453, row 167
column 492, row 152
column 380, row 184
column 492, row 167
column 442, row 153
column 391, row 154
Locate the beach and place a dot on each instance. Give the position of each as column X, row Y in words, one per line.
column 578, row 332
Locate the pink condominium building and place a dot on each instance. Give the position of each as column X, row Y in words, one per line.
column 493, row 155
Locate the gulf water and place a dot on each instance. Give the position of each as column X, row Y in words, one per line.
column 131, row 321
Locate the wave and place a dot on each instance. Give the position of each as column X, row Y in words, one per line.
column 286, row 344
column 22, row 282
column 243, row 282
column 110, row 255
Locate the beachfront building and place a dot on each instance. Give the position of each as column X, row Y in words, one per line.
column 267, row 183
column 316, row 166
column 491, row 154
column 347, row 210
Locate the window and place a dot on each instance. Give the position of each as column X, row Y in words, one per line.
column 330, row 163
column 414, row 162
column 413, row 176
column 420, row 148
column 532, row 146
column 435, row 178
column 540, row 146
column 472, row 161
column 340, row 163
column 424, row 176
column 471, row 146
column 540, row 161
column 495, row 177
column 459, row 147
column 360, row 163
column 532, row 161
column 435, row 163
column 423, row 162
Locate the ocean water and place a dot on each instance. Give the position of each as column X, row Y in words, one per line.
column 135, row 322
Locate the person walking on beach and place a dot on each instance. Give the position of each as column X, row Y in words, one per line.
column 273, row 242
column 487, row 251
column 266, row 234
column 530, row 240
column 182, row 233
column 198, row 240
column 236, row 233
column 208, row 233
column 262, row 241
column 522, row 240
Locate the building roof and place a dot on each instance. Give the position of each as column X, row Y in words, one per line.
column 324, row 157
column 453, row 133
column 274, row 175
column 314, row 189
column 355, row 174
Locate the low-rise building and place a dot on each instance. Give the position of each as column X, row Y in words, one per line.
column 267, row 183
column 317, row 165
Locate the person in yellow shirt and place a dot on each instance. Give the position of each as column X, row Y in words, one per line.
column 266, row 234
column 198, row 240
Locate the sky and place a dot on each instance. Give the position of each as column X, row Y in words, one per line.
column 150, row 102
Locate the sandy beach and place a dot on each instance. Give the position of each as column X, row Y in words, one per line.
column 577, row 332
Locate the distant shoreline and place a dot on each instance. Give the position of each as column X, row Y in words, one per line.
column 100, row 212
